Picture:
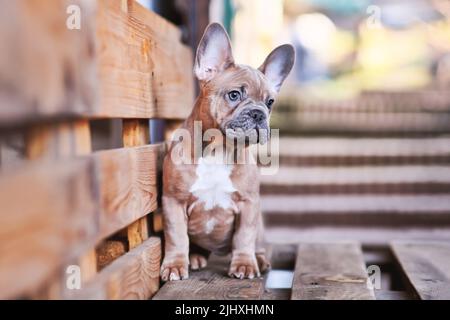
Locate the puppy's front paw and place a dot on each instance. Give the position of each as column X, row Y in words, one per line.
column 174, row 269
column 244, row 266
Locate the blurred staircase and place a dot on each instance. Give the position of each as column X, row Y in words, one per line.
column 365, row 183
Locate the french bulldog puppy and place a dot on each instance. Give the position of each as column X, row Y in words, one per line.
column 210, row 206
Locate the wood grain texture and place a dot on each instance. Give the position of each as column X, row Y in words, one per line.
column 330, row 271
column 47, row 70
column 127, row 186
column 134, row 276
column 121, row 64
column 47, row 213
column 136, row 132
column 52, row 213
column 144, row 70
column 427, row 267
column 212, row 283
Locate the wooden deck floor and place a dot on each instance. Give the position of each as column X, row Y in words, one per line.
column 330, row 271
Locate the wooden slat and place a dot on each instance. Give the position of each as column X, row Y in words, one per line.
column 331, row 271
column 47, row 213
column 136, row 132
column 121, row 64
column 212, row 283
column 427, row 267
column 45, row 71
column 52, row 213
column 134, row 276
column 109, row 251
column 127, row 184
column 144, row 70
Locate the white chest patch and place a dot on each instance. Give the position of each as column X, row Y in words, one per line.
column 213, row 186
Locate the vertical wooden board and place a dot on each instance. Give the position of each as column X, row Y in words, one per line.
column 426, row 266
column 136, row 132
column 134, row 276
column 127, row 186
column 47, row 216
column 330, row 271
column 109, row 251
column 46, row 69
column 144, row 69
column 212, row 283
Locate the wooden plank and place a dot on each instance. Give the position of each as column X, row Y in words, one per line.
column 47, row 213
column 136, row 132
column 127, row 186
column 109, row 251
column 427, row 267
column 144, row 70
column 134, row 276
column 137, row 69
column 157, row 222
column 212, row 283
column 330, row 271
column 53, row 212
column 46, row 71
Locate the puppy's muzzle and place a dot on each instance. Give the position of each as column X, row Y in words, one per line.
column 251, row 123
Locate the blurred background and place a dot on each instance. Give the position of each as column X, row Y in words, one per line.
column 364, row 118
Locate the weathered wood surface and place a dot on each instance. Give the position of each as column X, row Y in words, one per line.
column 109, row 251
column 136, row 132
column 124, row 62
column 427, row 267
column 46, row 212
column 45, row 68
column 144, row 69
column 133, row 276
column 332, row 271
column 54, row 212
column 212, row 283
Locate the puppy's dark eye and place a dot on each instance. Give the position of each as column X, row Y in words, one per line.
column 270, row 103
column 234, row 95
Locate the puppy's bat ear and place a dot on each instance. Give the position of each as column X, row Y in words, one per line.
column 278, row 65
column 214, row 53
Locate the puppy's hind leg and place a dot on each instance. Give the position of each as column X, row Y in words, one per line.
column 198, row 257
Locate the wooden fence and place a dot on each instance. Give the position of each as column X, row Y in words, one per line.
column 66, row 205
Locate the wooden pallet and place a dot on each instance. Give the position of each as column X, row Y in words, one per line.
column 329, row 271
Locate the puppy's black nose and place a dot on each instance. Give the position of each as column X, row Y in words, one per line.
column 257, row 115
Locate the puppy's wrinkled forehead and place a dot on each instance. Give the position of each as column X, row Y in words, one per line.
column 243, row 78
